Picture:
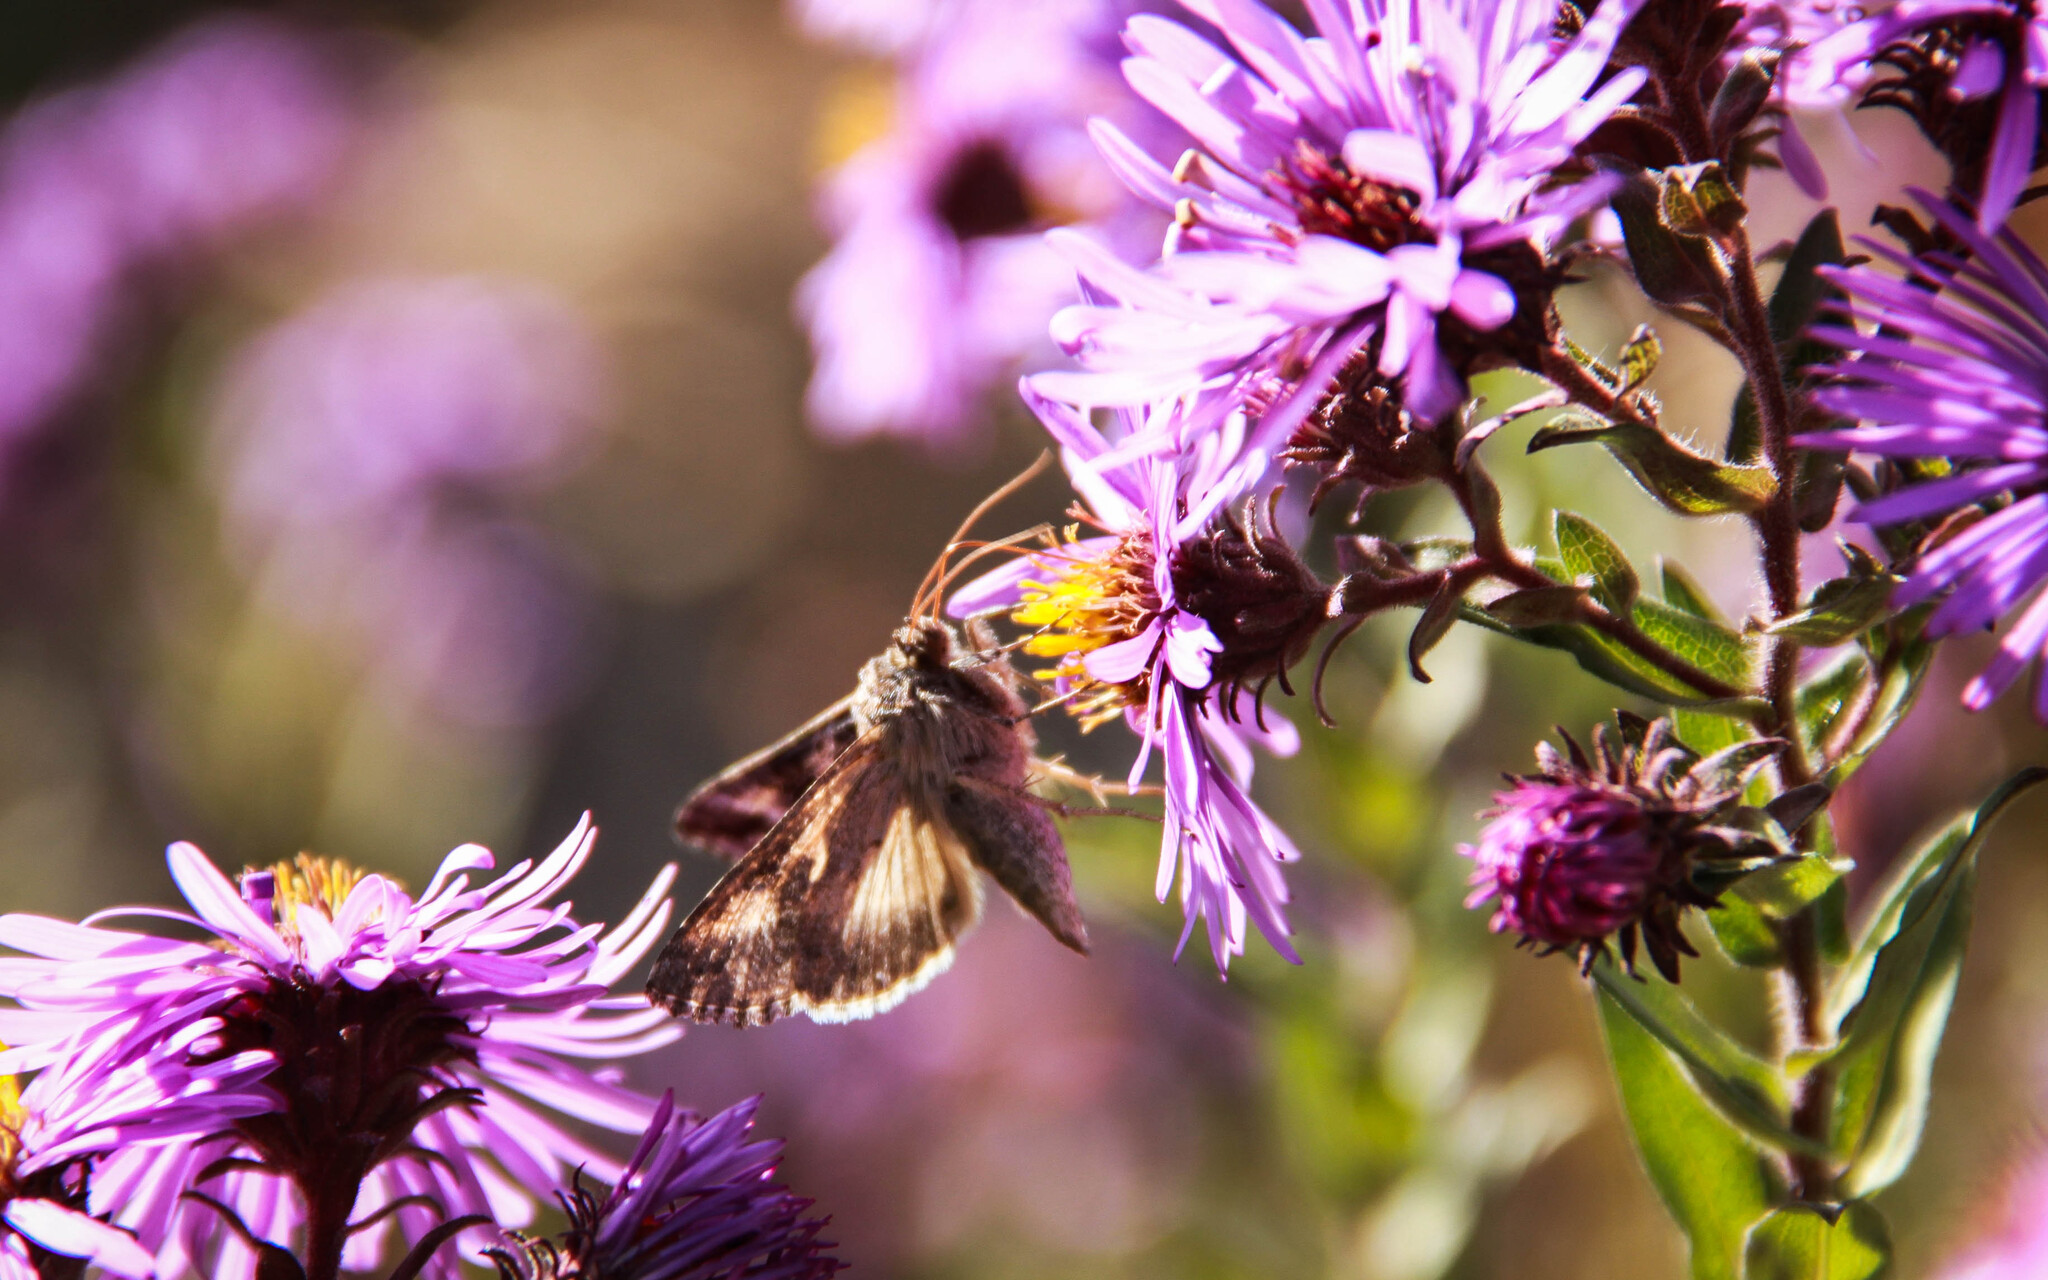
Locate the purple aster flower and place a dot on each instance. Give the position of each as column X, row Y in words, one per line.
column 375, row 450
column 41, row 1215
column 340, row 1063
column 1825, row 65
column 1113, row 610
column 235, row 121
column 1993, row 52
column 1955, row 367
column 1388, row 180
column 1608, row 846
column 939, row 282
column 694, row 1203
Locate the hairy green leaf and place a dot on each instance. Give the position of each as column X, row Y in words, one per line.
column 1639, row 357
column 1800, row 1242
column 1683, row 592
column 1713, row 1181
column 1744, row 934
column 1747, row 1091
column 1686, row 482
column 1890, row 1002
column 1672, row 269
column 1707, row 645
column 1589, row 553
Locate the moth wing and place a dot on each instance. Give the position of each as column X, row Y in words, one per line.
column 730, row 814
column 848, row 905
column 1014, row 840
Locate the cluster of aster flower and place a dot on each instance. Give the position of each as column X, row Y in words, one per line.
column 1380, row 202
column 340, row 1070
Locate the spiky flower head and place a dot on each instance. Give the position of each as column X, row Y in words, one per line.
column 696, row 1202
column 1616, row 844
column 340, row 1062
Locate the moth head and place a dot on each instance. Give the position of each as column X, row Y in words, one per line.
column 922, row 643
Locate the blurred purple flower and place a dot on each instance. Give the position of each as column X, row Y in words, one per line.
column 372, row 450
column 1825, row 65
column 1951, row 362
column 938, row 282
column 2016, row 1245
column 876, row 26
column 1109, row 608
column 1382, row 178
column 694, row 1203
column 357, row 1047
column 237, row 120
column 41, row 1214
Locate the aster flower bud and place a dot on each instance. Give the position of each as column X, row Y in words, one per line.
column 1618, row 844
column 1361, row 435
column 1261, row 602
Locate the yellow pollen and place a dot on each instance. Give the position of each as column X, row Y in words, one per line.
column 12, row 1119
column 1081, row 606
column 311, row 881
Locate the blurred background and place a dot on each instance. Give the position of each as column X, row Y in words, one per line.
column 403, row 441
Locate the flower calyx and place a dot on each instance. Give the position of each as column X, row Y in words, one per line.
column 1263, row 605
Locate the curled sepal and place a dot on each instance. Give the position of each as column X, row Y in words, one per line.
column 1436, row 620
column 1639, row 357
column 1683, row 481
column 1742, row 94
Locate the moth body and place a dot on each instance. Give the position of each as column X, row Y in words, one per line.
column 866, row 827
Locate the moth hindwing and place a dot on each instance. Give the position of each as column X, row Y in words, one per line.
column 855, row 895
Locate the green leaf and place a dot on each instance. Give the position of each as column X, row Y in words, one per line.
column 1699, row 200
column 1746, row 1090
column 1788, row 888
column 1741, row 95
column 1745, row 429
column 1639, row 357
column 1539, row 606
column 1890, row 1002
column 1686, row 482
column 1800, row 1242
column 1896, row 694
column 1589, row 553
column 1683, row 592
column 1672, row 269
column 1597, row 656
column 1841, row 608
column 1823, row 697
column 1711, row 1179
column 1705, row 644
column 1801, row 289
column 1436, row 620
column 1744, row 934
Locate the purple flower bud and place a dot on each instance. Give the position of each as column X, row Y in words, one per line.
column 1612, row 845
column 1566, row 865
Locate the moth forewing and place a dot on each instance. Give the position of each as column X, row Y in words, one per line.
column 731, row 813
column 854, row 897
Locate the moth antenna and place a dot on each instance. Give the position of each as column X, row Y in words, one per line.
column 977, row 551
column 938, row 569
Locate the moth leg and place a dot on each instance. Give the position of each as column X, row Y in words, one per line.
column 1048, row 804
column 1055, row 770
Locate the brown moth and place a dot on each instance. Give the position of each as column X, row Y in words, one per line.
column 861, row 833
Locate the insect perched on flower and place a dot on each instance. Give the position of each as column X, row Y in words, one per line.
column 862, row 831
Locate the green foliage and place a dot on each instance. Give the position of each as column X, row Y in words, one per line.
column 1801, row 1242
column 1841, row 609
column 1890, row 1003
column 1682, row 480
column 1715, row 1183
column 1591, row 556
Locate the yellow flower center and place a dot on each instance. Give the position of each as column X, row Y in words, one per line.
column 1085, row 604
column 12, row 1120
